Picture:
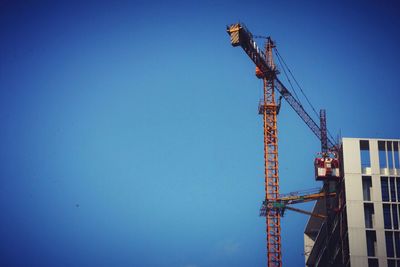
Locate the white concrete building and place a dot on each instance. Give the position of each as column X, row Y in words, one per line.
column 363, row 225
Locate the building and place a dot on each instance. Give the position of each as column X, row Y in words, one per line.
column 362, row 226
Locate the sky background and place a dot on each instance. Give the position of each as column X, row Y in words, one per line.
column 130, row 134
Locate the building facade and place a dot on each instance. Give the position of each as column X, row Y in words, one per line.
column 363, row 224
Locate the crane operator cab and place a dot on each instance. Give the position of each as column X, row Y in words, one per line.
column 327, row 166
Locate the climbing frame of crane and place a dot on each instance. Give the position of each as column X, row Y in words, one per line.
column 275, row 205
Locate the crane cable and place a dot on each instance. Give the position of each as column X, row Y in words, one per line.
column 284, row 65
column 283, row 68
column 301, row 89
column 290, row 82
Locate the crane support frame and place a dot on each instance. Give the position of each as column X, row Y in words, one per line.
column 324, row 134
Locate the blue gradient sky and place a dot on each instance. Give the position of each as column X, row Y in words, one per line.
column 130, row 134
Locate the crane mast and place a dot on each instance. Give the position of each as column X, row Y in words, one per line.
column 269, row 110
column 266, row 70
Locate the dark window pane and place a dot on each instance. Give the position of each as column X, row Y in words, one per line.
column 398, row 189
column 373, row 263
column 391, row 263
column 397, row 243
column 368, row 214
column 392, row 190
column 394, row 216
column 385, row 189
column 367, row 184
column 371, row 241
column 386, row 216
column 389, row 244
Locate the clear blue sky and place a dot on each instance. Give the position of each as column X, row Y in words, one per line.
column 130, row 134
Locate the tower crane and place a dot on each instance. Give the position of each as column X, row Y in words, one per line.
column 326, row 166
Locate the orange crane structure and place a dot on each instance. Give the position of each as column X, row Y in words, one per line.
column 326, row 166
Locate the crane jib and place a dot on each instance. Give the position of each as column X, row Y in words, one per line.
column 298, row 108
column 240, row 36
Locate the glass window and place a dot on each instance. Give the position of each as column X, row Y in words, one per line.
column 398, row 211
column 389, row 244
column 394, row 216
column 386, row 216
column 367, row 184
column 397, row 243
column 368, row 215
column 382, row 154
column 398, row 189
column 390, row 154
column 365, row 156
column 385, row 189
column 392, row 190
column 396, row 155
column 391, row 263
column 371, row 242
column 373, row 263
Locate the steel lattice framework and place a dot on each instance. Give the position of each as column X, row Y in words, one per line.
column 271, row 174
column 271, row 163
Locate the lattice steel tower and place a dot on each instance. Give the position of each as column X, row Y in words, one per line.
column 269, row 110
